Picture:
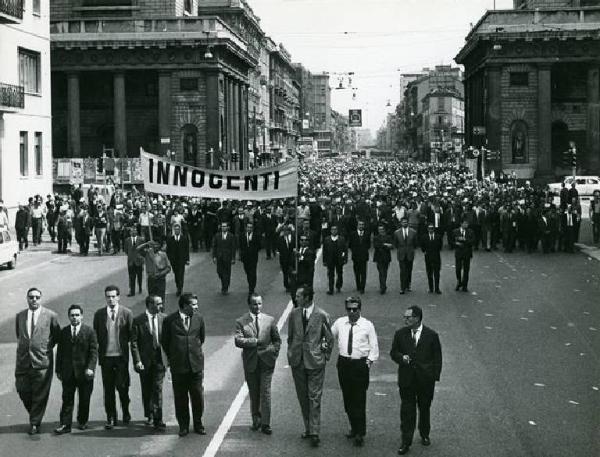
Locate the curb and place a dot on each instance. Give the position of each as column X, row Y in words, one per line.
column 590, row 251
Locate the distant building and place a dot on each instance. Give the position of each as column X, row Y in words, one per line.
column 25, row 117
column 532, row 86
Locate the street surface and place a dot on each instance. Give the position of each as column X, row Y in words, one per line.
column 521, row 373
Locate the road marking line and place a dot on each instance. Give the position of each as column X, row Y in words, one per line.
column 234, row 408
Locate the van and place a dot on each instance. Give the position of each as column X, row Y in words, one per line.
column 9, row 248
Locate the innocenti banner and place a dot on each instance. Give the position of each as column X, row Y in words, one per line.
column 175, row 178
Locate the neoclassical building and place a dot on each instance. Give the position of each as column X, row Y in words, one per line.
column 167, row 76
column 532, row 86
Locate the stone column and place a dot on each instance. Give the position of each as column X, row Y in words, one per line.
column 493, row 115
column 120, row 118
column 593, row 118
column 244, row 126
column 164, row 111
column 236, row 119
column 73, row 119
column 544, row 124
column 230, row 137
column 212, row 117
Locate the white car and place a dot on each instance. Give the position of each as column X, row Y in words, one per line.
column 9, row 249
column 585, row 185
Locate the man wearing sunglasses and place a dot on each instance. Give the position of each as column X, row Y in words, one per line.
column 418, row 352
column 38, row 331
column 358, row 349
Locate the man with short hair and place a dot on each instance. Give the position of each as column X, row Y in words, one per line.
column 418, row 352
column 463, row 239
column 37, row 330
column 405, row 241
column 178, row 252
column 76, row 359
column 335, row 256
column 285, row 246
column 358, row 349
column 306, row 262
column 249, row 247
column 183, row 335
column 309, row 348
column 431, row 244
column 113, row 326
column 256, row 333
column 360, row 243
column 157, row 267
column 223, row 254
column 135, row 260
column 149, row 360
column 382, row 244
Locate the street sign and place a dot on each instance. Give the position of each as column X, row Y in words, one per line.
column 478, row 130
column 355, row 118
column 165, row 140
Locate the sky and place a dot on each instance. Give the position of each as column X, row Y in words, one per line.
column 376, row 39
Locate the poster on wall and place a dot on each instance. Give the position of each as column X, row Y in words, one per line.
column 89, row 170
column 76, row 171
column 136, row 171
column 63, row 171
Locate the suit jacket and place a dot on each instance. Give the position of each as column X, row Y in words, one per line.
column 463, row 247
column 224, row 249
column 335, row 252
column 405, row 245
column 426, row 358
column 142, row 345
column 382, row 254
column 360, row 246
column 286, row 253
column 134, row 257
column 124, row 319
column 306, row 347
column 73, row 357
column 306, row 265
column 432, row 249
column 178, row 252
column 36, row 351
column 183, row 347
column 264, row 346
column 249, row 252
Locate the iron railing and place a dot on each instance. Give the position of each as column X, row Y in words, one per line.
column 12, row 96
column 12, row 8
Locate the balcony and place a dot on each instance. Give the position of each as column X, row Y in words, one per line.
column 11, row 11
column 12, row 98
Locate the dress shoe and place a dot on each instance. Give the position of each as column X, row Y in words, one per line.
column 305, row 435
column 126, row 418
column 160, row 425
column 131, row 294
column 34, row 430
column 464, row 289
column 425, row 441
column 382, row 291
column 149, row 421
column 255, row 426
column 430, row 291
column 266, row 429
column 62, row 430
column 109, row 425
column 457, row 287
column 403, row 449
column 338, row 289
column 359, row 441
column 178, row 293
column 82, row 426
column 350, row 434
column 330, row 292
column 183, row 431
column 200, row 430
column 402, row 292
column 439, row 292
column 315, row 441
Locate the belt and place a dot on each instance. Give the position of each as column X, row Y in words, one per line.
column 351, row 359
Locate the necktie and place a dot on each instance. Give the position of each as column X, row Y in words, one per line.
column 256, row 325
column 32, row 328
column 134, row 240
column 570, row 221
column 431, row 237
column 414, row 337
column 248, row 240
column 304, row 319
column 74, row 334
column 112, row 315
column 350, row 335
column 187, row 322
column 154, row 333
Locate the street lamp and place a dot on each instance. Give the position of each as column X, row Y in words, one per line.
column 208, row 54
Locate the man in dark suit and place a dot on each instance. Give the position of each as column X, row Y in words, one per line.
column 37, row 330
column 249, row 247
column 76, row 359
column 194, row 224
column 382, row 243
column 359, row 243
column 113, row 327
column 309, row 347
column 431, row 244
column 405, row 241
column 149, row 360
column 256, row 333
column 335, row 256
column 269, row 224
column 418, row 352
column 178, row 252
column 306, row 262
column 182, row 338
column 223, row 255
column 285, row 246
column 463, row 239
column 135, row 260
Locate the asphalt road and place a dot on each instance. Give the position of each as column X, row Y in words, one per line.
column 521, row 374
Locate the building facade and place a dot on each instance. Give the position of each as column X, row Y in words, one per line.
column 532, row 86
column 169, row 77
column 443, row 124
column 25, row 116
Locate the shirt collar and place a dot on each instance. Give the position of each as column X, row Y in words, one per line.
column 419, row 329
column 150, row 316
column 108, row 310
column 310, row 309
column 183, row 316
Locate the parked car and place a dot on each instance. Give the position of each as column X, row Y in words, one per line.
column 9, row 248
column 585, row 185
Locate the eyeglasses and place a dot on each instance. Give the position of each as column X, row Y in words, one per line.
column 353, row 310
column 34, row 297
column 408, row 317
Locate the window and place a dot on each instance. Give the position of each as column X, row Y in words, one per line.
column 187, row 6
column 30, row 71
column 440, row 101
column 23, row 150
column 188, row 84
column 519, row 78
column 36, row 7
column 37, row 149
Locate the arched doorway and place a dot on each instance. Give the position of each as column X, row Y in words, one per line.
column 560, row 142
column 189, row 136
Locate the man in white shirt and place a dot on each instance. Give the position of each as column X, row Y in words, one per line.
column 358, row 349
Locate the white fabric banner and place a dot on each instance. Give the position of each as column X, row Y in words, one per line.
column 175, row 178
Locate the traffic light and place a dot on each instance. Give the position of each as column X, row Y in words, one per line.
column 566, row 158
column 573, row 157
column 100, row 165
